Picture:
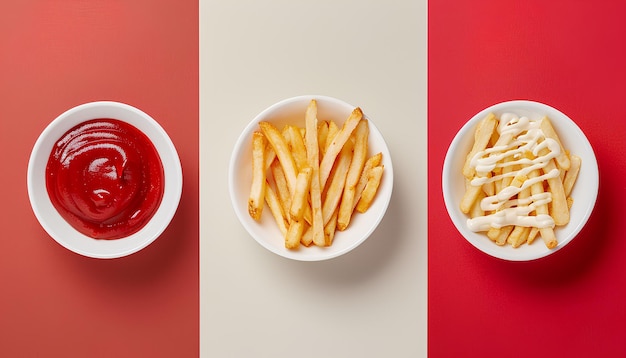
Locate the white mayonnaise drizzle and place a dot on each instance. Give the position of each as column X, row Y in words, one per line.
column 518, row 135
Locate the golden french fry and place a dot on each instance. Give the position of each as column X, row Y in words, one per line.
column 278, row 142
column 506, row 171
column 482, row 135
column 476, row 210
column 472, row 195
column 333, row 129
column 337, row 182
column 548, row 237
column 497, row 184
column 281, row 187
column 558, row 207
column 322, row 136
column 359, row 154
column 299, row 199
column 548, row 130
column 373, row 182
column 547, row 234
column 270, row 155
column 294, row 234
column 276, row 209
column 296, row 144
column 504, row 139
column 313, row 158
column 489, row 188
column 469, row 198
column 307, row 236
column 337, row 143
column 518, row 236
column 532, row 235
column 494, row 138
column 289, row 140
column 571, row 174
column 371, row 162
column 257, row 189
column 503, row 234
column 492, row 233
column 331, row 227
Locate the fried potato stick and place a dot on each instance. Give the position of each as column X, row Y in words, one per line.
column 469, row 198
column 322, row 136
column 372, row 162
column 489, row 188
column 548, row 130
column 299, row 200
column 276, row 209
column 337, row 143
column 532, row 235
column 476, row 210
column 359, row 154
column 472, row 191
column 307, row 236
column 298, row 150
column 331, row 228
column 257, row 189
column 482, row 135
column 281, row 187
column 519, row 235
column 270, row 155
column 278, row 142
column 558, row 207
column 312, row 149
column 503, row 232
column 333, row 129
column 571, row 174
column 294, row 234
column 547, row 234
column 337, row 182
column 373, row 182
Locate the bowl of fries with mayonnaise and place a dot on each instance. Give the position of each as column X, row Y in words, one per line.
column 520, row 180
column 310, row 178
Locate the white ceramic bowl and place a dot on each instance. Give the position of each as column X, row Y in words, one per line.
column 52, row 221
column 584, row 193
column 266, row 232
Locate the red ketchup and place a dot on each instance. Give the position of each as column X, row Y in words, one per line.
column 105, row 178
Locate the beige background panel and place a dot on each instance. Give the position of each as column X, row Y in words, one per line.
column 371, row 302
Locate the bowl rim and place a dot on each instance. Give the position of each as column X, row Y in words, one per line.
column 243, row 216
column 51, row 221
column 559, row 119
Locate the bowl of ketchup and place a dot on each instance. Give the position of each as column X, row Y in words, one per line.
column 104, row 179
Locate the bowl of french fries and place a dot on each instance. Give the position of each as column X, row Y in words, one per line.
column 520, row 180
column 310, row 178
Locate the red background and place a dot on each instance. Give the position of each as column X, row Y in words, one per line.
column 55, row 55
column 568, row 54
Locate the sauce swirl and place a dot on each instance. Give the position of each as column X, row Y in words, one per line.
column 105, row 178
